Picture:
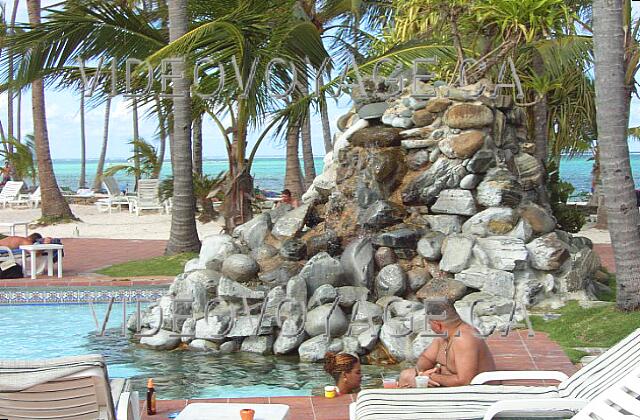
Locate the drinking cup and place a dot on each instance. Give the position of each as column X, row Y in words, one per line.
column 247, row 414
column 389, row 382
column 329, row 391
column 422, row 381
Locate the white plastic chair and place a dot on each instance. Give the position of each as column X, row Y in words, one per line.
column 115, row 199
column 10, row 192
column 70, row 387
column 619, row 402
column 31, row 200
column 146, row 197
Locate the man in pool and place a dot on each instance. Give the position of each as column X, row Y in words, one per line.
column 14, row 242
column 287, row 198
column 452, row 360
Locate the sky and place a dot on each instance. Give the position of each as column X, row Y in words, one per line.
column 63, row 120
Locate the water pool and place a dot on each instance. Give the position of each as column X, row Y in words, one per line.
column 45, row 331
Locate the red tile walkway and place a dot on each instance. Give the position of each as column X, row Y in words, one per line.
column 83, row 256
column 517, row 351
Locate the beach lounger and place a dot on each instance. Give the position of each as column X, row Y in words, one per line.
column 146, row 197
column 473, row 401
column 618, row 402
column 76, row 387
column 31, row 200
column 115, row 199
column 10, row 191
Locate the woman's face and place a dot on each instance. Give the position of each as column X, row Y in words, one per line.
column 354, row 377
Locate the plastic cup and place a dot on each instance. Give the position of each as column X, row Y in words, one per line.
column 247, row 414
column 330, row 391
column 389, row 382
column 422, row 381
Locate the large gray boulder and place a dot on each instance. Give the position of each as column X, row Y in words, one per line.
column 254, row 232
column 548, row 252
column 391, row 281
column 396, row 338
column 323, row 294
column 260, row 344
column 239, row 267
column 228, row 288
column 540, row 220
column 495, row 282
column 214, row 250
column 504, row 252
column 456, row 253
column 291, row 223
column 430, row 245
column 500, row 188
column 212, row 328
column 314, row 349
column 492, row 221
column 290, row 337
column 199, row 285
column 321, row 269
column 445, row 223
column 316, row 321
column 162, row 340
column 460, row 202
column 351, row 294
column 297, row 289
column 358, row 262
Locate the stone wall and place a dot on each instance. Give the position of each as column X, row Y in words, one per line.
column 420, row 199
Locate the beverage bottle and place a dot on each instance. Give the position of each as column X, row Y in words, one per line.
column 151, row 397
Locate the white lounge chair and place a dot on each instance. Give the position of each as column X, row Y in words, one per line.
column 473, row 401
column 619, row 402
column 146, row 197
column 116, row 198
column 75, row 387
column 31, row 200
column 10, row 191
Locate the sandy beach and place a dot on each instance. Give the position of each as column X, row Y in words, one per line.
column 95, row 224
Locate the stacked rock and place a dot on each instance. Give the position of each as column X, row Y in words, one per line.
column 420, row 199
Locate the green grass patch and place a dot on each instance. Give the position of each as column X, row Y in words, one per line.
column 158, row 266
column 592, row 327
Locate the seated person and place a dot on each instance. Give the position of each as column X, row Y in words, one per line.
column 287, row 198
column 14, row 242
column 454, row 360
column 345, row 370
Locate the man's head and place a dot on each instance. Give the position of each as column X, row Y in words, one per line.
column 442, row 315
column 34, row 237
column 286, row 195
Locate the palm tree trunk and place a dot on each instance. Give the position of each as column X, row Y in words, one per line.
column 612, row 119
column 326, row 126
column 540, row 115
column 82, row 183
column 293, row 174
column 54, row 206
column 162, row 128
column 19, row 117
column 136, row 136
column 184, row 235
column 97, row 182
column 307, row 149
column 10, row 77
column 197, row 145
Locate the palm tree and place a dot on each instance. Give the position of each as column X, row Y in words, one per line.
column 10, row 116
column 197, row 144
column 293, row 174
column 613, row 119
column 82, row 183
column 184, row 235
column 97, row 182
column 54, row 206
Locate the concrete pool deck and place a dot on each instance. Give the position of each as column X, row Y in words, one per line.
column 516, row 351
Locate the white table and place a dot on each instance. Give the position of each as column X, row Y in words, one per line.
column 217, row 411
column 34, row 249
column 12, row 227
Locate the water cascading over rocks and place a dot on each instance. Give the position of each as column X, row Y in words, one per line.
column 420, row 199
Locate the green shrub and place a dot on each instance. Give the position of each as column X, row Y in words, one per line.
column 569, row 218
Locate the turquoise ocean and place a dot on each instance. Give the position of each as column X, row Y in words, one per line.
column 269, row 171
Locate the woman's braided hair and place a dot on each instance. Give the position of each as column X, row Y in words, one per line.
column 336, row 364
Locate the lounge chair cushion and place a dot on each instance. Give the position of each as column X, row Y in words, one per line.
column 463, row 403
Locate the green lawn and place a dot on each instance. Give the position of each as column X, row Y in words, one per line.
column 159, row 266
column 588, row 327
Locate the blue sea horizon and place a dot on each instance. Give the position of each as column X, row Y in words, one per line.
column 269, row 171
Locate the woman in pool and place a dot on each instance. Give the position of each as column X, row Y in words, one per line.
column 345, row 370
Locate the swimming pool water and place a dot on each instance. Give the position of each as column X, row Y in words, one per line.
column 45, row 331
